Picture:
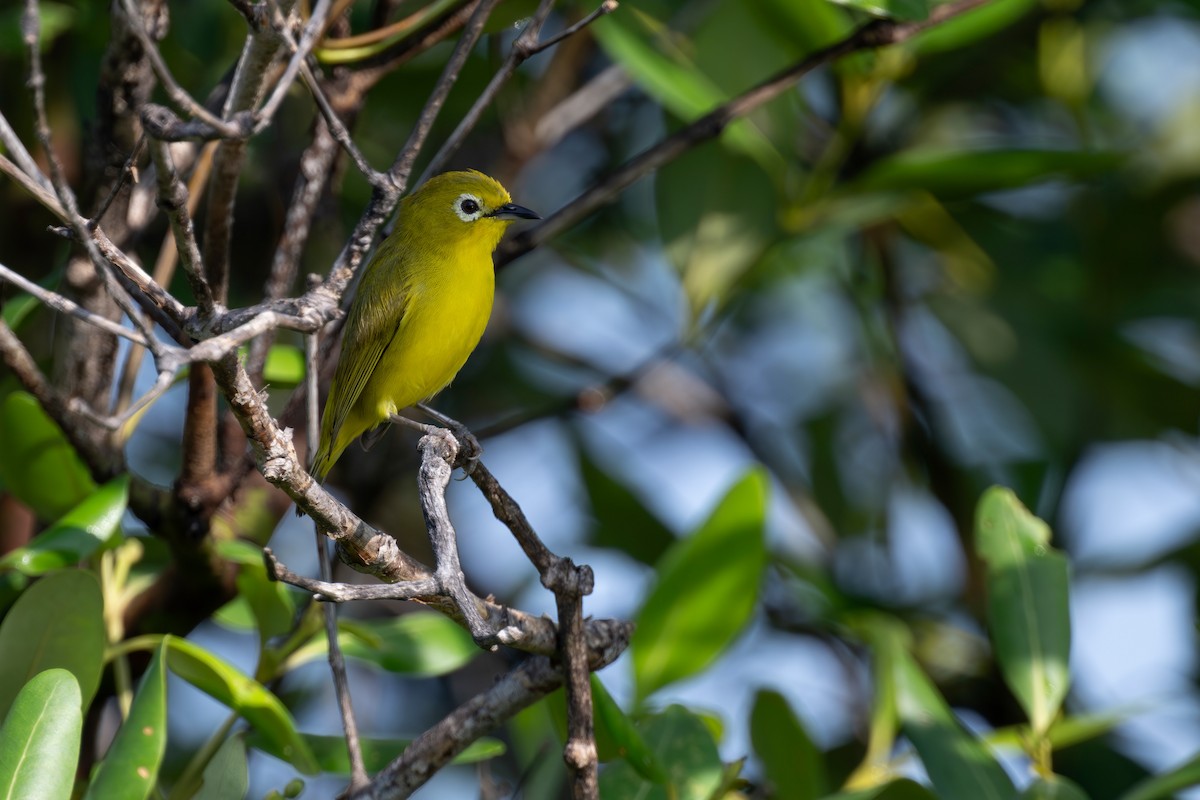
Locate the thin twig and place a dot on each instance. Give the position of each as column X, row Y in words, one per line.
column 607, row 7
column 127, row 171
column 337, row 664
column 14, row 145
column 66, row 306
column 522, row 48
column 176, row 92
column 402, row 168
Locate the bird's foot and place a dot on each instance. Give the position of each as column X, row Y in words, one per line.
column 469, row 449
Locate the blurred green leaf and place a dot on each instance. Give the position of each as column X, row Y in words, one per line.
column 1028, row 612
column 39, row 466
column 684, row 748
column 956, row 173
column 82, row 531
column 284, row 367
column 424, row 644
column 903, row 10
column 794, row 765
column 617, row 736
column 39, row 742
column 1064, row 732
column 716, row 214
column 902, row 789
column 227, row 774
column 56, row 622
column 657, row 58
column 250, row 699
column 968, row 28
column 1168, row 783
column 622, row 521
column 706, row 591
column 959, row 765
column 236, row 615
column 804, row 25
column 270, row 601
column 129, row 770
column 332, row 756
column 1056, row 788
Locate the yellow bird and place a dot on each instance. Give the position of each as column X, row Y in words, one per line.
column 421, row 306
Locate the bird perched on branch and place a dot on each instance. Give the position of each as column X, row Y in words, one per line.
column 421, row 306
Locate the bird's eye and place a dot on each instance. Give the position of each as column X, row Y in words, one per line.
column 468, row 206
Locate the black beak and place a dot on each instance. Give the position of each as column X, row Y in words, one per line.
column 514, row 211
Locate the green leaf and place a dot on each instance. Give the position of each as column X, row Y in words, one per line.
column 56, row 622
column 706, row 591
column 1167, row 784
column 82, row 531
column 685, row 748
column 1028, row 612
column 617, row 736
column 1055, row 788
column 804, row 25
column 1065, row 732
column 332, row 756
column 658, row 60
column 130, row 767
column 249, row 698
column 622, row 520
column 793, row 764
column 716, row 215
column 966, row 29
column 270, row 601
column 963, row 173
column 959, row 765
column 423, row 644
column 227, row 774
column 902, row 10
column 40, row 468
column 902, row 789
column 39, row 742
column 284, row 367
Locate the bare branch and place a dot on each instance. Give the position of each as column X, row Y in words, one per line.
column 176, row 92
column 173, row 198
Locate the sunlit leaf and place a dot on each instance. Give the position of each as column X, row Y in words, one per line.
column 1028, row 615
column 284, row 366
column 254, row 702
column 793, row 764
column 80, row 532
column 130, row 767
column 56, row 622
column 706, row 591
column 39, row 742
column 39, row 467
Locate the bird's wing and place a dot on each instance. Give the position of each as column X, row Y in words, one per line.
column 374, row 318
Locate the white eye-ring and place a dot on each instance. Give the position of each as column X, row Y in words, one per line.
column 467, row 207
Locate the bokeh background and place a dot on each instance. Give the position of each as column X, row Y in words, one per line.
column 967, row 260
